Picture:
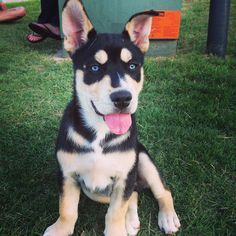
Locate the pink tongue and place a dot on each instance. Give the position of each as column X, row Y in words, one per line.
column 118, row 123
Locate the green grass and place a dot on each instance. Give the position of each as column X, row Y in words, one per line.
column 186, row 119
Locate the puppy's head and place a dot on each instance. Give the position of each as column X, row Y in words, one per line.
column 108, row 67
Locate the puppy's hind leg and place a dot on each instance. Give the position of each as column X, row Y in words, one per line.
column 132, row 220
column 167, row 218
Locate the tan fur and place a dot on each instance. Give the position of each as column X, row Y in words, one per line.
column 135, row 86
column 69, row 201
column 88, row 90
column 96, row 197
column 149, row 173
column 99, row 93
column 132, row 220
column 96, row 169
column 167, row 217
column 115, row 217
column 101, row 57
column 166, row 201
column 96, row 174
column 68, row 211
column 125, row 55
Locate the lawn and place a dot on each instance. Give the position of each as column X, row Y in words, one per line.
column 186, row 119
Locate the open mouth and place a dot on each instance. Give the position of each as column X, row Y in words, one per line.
column 118, row 123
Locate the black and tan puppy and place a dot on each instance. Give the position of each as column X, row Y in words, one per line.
column 97, row 147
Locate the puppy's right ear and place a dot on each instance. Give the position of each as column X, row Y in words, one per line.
column 75, row 25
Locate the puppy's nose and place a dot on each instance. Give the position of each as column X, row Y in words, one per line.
column 121, row 99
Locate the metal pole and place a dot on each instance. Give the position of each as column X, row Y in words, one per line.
column 218, row 27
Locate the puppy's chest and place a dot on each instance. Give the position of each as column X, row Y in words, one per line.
column 97, row 171
column 94, row 172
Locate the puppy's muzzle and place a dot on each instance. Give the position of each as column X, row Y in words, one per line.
column 121, row 99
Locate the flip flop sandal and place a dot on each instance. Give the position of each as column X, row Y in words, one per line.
column 44, row 31
column 37, row 38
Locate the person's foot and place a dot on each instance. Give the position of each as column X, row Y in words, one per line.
column 46, row 30
column 35, row 38
column 52, row 28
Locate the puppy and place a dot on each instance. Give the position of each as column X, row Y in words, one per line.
column 97, row 147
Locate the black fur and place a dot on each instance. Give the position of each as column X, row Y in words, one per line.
column 83, row 58
column 60, row 179
column 131, row 180
column 72, row 117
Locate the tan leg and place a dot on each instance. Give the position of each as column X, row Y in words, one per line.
column 115, row 217
column 167, row 218
column 68, row 209
column 132, row 220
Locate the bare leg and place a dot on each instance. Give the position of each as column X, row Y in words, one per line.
column 68, row 209
column 167, row 218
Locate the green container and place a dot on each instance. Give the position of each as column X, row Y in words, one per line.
column 111, row 16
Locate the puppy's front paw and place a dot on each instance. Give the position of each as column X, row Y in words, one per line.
column 115, row 230
column 168, row 221
column 59, row 229
column 132, row 223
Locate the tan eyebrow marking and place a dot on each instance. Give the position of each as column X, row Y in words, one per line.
column 101, row 57
column 125, row 55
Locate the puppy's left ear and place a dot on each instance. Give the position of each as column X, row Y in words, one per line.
column 139, row 27
column 75, row 25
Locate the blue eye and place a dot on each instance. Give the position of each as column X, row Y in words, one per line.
column 95, row 68
column 132, row 66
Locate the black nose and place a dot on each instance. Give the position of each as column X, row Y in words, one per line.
column 121, row 99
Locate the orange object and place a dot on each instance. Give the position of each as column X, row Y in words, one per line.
column 166, row 25
column 11, row 14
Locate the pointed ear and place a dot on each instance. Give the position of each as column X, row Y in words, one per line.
column 139, row 28
column 75, row 25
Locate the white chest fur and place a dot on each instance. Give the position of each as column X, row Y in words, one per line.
column 96, row 169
